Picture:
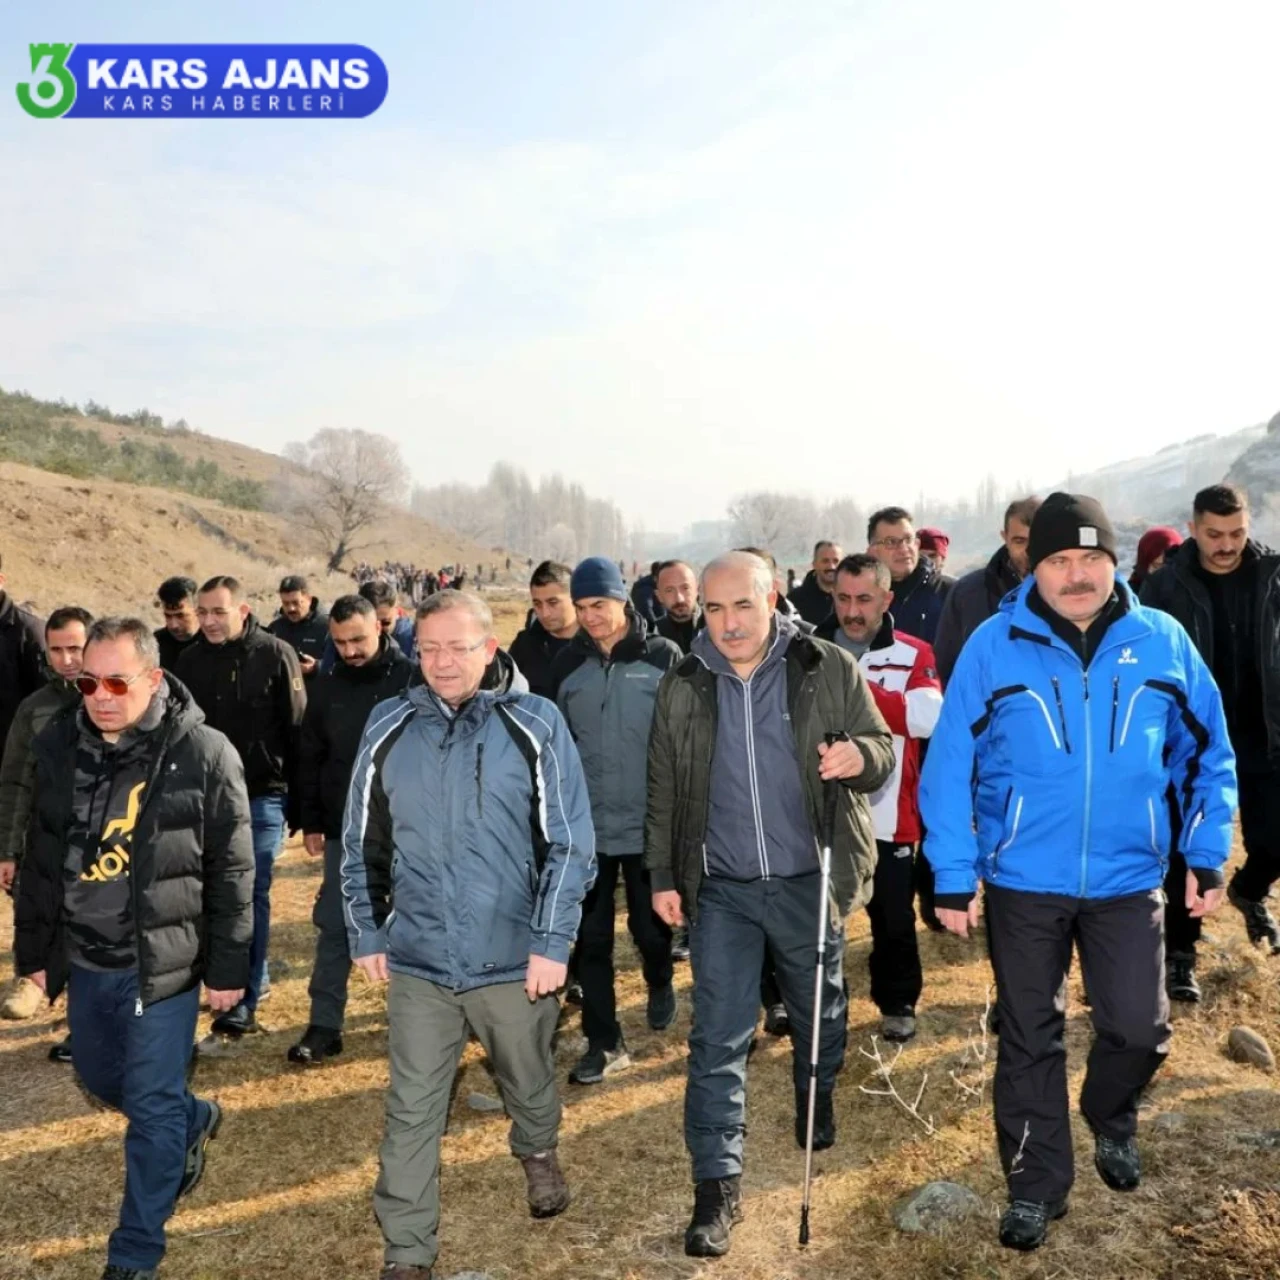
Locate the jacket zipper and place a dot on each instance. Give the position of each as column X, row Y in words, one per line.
column 1062, row 715
column 1155, row 848
column 1115, row 707
column 480, row 778
column 1088, row 787
column 1013, row 835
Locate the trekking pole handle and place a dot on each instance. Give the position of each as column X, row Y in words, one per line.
column 830, row 795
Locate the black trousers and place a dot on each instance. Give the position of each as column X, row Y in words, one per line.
column 1260, row 833
column 896, row 979
column 1181, row 932
column 594, row 952
column 1121, row 943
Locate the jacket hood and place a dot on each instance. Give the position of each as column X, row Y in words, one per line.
column 253, row 629
column 501, row 676
column 179, row 712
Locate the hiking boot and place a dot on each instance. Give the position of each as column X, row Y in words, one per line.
column 824, row 1119
column 317, row 1044
column 900, row 1025
column 1180, row 977
column 61, row 1052
column 1259, row 923
column 662, row 1007
column 777, row 1022
column 599, row 1062
column 717, row 1208
column 194, row 1169
column 23, row 1000
column 403, row 1271
column 1117, row 1163
column 547, row 1190
column 1025, row 1222
column 573, row 994
column 127, row 1273
column 680, row 944
column 236, row 1022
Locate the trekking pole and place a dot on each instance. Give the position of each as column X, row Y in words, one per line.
column 829, row 798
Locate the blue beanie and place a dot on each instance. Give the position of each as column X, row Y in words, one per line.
column 597, row 577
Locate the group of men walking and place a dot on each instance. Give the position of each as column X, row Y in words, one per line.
column 1034, row 735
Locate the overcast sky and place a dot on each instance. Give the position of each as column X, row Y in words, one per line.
column 679, row 248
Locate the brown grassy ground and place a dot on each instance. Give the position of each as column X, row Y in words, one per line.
column 287, row 1192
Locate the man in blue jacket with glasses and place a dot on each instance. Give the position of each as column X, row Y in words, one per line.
column 1069, row 718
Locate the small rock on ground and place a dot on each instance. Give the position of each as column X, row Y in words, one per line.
column 1244, row 1044
column 1269, row 1138
column 936, row 1205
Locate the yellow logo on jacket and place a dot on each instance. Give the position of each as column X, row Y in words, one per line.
column 114, row 861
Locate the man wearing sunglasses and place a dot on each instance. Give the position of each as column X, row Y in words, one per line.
column 64, row 637
column 137, row 887
column 249, row 685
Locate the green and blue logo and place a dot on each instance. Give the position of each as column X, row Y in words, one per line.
column 212, row 81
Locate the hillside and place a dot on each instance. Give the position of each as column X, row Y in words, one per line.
column 107, row 545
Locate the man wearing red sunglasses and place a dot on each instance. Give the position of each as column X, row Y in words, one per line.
column 137, row 887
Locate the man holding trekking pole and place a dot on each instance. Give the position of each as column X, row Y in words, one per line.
column 742, row 754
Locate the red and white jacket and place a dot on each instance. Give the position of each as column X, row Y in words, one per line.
column 903, row 675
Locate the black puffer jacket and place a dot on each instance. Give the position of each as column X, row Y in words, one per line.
column 338, row 706
column 21, row 659
column 251, row 689
column 812, row 603
column 191, row 862
column 533, row 651
column 308, row 635
column 972, row 600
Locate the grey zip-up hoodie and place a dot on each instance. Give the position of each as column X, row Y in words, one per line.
column 757, row 822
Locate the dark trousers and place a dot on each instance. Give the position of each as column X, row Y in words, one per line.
column 727, row 938
column 332, row 968
column 1121, row 943
column 1260, row 834
column 138, row 1065
column 896, row 979
column 594, row 952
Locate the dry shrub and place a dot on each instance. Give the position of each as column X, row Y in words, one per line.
column 1242, row 1242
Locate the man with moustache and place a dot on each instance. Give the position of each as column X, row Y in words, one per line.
column 812, row 598
column 1221, row 585
column 904, row 680
column 1069, row 717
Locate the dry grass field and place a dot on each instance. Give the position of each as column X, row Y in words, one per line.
column 287, row 1190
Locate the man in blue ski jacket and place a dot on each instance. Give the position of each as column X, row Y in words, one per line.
column 1070, row 717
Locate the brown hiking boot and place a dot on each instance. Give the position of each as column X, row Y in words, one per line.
column 403, row 1271
column 23, row 1000
column 548, row 1191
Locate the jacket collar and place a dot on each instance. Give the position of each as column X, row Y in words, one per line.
column 628, row 649
column 1129, row 627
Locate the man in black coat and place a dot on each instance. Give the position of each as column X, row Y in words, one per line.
column 919, row 587
column 177, row 597
column 370, row 668
column 21, row 657
column 977, row 595
column 678, row 595
column 301, row 623
column 136, row 889
column 553, row 625
column 250, row 687
column 812, row 598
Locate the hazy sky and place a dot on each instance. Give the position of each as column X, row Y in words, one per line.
column 675, row 249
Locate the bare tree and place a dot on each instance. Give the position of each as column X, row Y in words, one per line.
column 783, row 522
column 347, row 477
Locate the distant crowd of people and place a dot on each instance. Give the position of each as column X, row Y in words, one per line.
column 1040, row 741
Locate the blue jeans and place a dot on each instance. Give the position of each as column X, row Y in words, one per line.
column 268, row 832
column 138, row 1065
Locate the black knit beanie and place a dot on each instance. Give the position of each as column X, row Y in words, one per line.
column 1066, row 521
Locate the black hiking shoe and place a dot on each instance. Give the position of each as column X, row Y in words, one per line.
column 662, row 1007
column 898, row 1025
column 1025, row 1222
column 61, row 1052
column 127, row 1273
column 1180, row 977
column 573, row 994
column 680, row 944
column 599, row 1062
column 237, row 1022
column 548, row 1192
column 1259, row 923
column 777, row 1022
column 717, row 1208
column 317, row 1044
column 1117, row 1163
column 194, row 1169
column 824, row 1120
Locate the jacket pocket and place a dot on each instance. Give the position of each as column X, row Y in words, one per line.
column 1013, row 824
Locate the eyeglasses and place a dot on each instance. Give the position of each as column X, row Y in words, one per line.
column 459, row 651
column 892, row 544
column 116, row 686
